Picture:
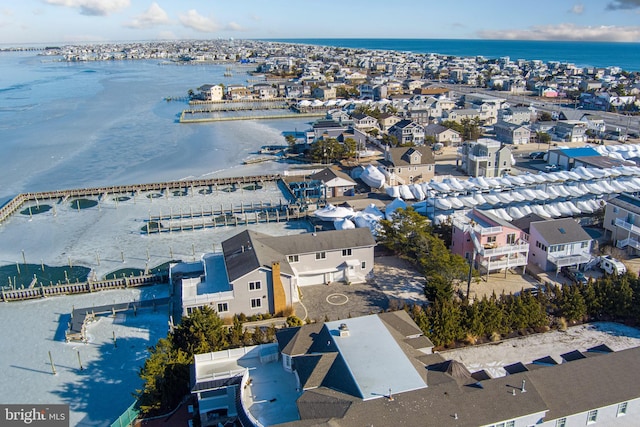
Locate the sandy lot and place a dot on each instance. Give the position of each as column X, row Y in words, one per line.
column 495, row 356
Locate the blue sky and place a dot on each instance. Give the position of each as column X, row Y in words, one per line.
column 49, row 21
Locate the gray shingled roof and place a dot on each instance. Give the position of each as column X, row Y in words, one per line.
column 398, row 158
column 561, row 231
column 249, row 250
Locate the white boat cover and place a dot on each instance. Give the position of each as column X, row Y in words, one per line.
column 372, row 176
column 455, row 202
column 491, row 199
column 417, row 192
column 468, row 201
column 396, row 204
column 515, row 213
column 405, row 192
column 331, row 212
column 393, row 191
column 480, row 199
column 584, row 207
column 343, row 224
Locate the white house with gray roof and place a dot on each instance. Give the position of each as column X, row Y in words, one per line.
column 257, row 273
column 558, row 243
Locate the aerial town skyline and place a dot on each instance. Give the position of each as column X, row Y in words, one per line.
column 42, row 21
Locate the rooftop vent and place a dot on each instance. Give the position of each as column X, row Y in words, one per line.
column 344, row 330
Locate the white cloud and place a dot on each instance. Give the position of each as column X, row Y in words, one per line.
column 153, row 16
column 571, row 32
column 192, row 19
column 233, row 26
column 577, row 9
column 93, row 7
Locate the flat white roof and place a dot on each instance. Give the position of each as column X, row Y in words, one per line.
column 374, row 358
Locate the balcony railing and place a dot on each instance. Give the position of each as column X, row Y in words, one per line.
column 479, row 158
column 517, row 261
column 505, row 250
column 634, row 243
column 627, row 226
column 567, row 260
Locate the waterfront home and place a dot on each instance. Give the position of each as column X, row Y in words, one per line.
column 324, row 93
column 257, row 273
column 211, row 92
column 571, row 130
column 490, row 242
column 334, row 183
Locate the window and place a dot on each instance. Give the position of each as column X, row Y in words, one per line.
column 615, row 209
column 321, row 255
column 346, row 252
column 592, row 416
column 256, row 303
column 293, row 258
column 491, row 239
column 511, row 238
column 223, row 307
column 584, row 244
column 511, row 423
column 622, row 409
column 363, row 265
column 562, row 422
column 255, row 286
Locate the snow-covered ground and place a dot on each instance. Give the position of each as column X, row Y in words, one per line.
column 100, row 392
column 494, row 357
column 101, row 236
column 97, row 238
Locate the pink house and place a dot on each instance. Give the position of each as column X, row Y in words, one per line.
column 490, row 241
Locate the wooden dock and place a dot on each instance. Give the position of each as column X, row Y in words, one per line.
column 81, row 288
column 81, row 317
column 17, row 202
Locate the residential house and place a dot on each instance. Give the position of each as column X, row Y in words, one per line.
column 516, row 115
column 485, row 157
column 443, row 135
column 211, row 92
column 364, row 121
column 558, row 243
column 324, row 93
column 408, row 132
column 265, row 91
column 387, row 120
column 334, row 183
column 622, row 222
column 489, row 241
column 257, row 273
column 327, row 372
column 406, row 165
column 458, row 115
column 594, row 123
column 239, row 93
column 511, row 133
column 571, row 130
column 487, row 105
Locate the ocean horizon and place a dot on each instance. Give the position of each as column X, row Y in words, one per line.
column 582, row 54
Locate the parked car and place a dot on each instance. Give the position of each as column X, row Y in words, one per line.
column 537, row 155
column 551, row 168
column 573, row 274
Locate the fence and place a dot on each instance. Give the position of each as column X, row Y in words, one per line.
column 128, row 417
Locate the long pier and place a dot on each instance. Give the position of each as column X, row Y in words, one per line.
column 81, row 288
column 183, row 119
column 16, row 203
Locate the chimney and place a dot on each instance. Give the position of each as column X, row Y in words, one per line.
column 344, row 330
